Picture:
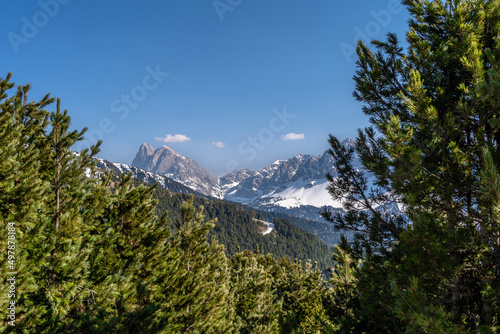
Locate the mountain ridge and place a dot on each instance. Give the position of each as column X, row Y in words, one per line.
column 285, row 184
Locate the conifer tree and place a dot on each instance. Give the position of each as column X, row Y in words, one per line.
column 433, row 110
column 127, row 250
column 197, row 295
column 302, row 290
column 51, row 266
column 257, row 306
column 83, row 249
column 343, row 303
column 22, row 192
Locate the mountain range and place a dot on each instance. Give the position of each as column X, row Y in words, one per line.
column 297, row 216
column 296, row 186
column 294, row 189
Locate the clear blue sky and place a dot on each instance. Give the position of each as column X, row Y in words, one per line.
column 218, row 81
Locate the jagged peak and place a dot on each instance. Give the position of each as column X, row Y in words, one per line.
column 167, row 148
column 348, row 142
column 147, row 148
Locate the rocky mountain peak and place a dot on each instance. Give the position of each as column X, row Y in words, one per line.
column 147, row 147
column 145, row 151
column 168, row 149
column 165, row 161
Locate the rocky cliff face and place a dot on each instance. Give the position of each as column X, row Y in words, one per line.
column 165, row 161
column 141, row 159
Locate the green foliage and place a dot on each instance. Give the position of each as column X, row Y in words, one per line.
column 257, row 305
column 422, row 314
column 91, row 255
column 433, row 147
column 343, row 302
column 199, row 298
column 278, row 296
column 302, row 291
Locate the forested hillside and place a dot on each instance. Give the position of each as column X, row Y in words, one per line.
column 322, row 229
column 235, row 225
column 236, row 228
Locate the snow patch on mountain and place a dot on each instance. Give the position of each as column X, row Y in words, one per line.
column 270, row 226
column 297, row 194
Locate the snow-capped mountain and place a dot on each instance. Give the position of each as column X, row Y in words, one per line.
column 288, row 183
column 285, row 185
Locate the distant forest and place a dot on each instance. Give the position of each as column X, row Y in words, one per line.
column 236, row 229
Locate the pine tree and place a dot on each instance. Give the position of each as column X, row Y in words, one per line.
column 343, row 302
column 197, row 295
column 257, row 306
column 302, row 290
column 51, row 265
column 420, row 313
column 127, row 253
column 433, row 109
column 84, row 250
column 22, row 192
column 489, row 254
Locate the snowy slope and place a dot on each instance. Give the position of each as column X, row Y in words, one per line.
column 314, row 193
column 269, row 226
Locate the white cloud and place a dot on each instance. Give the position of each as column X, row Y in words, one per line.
column 293, row 136
column 178, row 138
column 218, row 144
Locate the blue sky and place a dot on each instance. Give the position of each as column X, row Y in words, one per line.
column 228, row 83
